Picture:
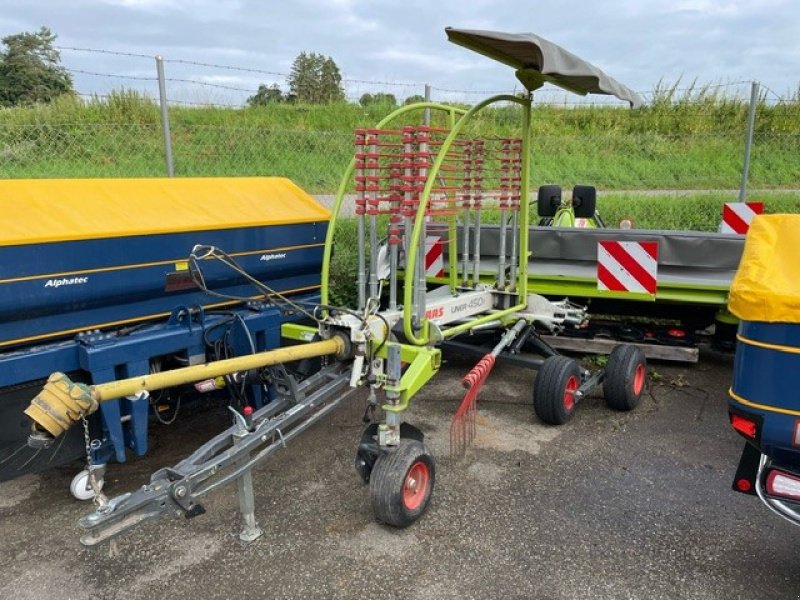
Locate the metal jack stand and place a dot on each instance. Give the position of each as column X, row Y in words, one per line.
column 250, row 529
column 247, row 504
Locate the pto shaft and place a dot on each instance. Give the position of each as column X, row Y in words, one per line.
column 184, row 375
column 62, row 402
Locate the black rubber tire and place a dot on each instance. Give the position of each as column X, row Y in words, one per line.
column 624, row 383
column 724, row 339
column 548, row 199
column 388, row 480
column 584, row 201
column 549, row 389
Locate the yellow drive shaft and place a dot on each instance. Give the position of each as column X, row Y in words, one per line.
column 62, row 402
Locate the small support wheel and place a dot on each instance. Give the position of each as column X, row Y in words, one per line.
column 554, row 391
column 626, row 373
column 79, row 486
column 401, row 483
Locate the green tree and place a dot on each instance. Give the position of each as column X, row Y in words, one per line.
column 331, row 88
column 266, row 95
column 414, row 99
column 30, row 69
column 388, row 100
column 315, row 79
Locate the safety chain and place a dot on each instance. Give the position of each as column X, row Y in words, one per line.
column 99, row 498
column 87, row 441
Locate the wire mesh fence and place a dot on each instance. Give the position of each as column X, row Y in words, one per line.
column 613, row 161
column 81, row 150
column 645, row 162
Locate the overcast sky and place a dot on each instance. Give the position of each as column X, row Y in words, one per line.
column 638, row 42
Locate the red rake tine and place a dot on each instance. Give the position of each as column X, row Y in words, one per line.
column 463, row 427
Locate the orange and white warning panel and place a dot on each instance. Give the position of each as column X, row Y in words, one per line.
column 627, row 267
column 737, row 216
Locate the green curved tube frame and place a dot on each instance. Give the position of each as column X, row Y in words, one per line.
column 408, row 288
column 348, row 174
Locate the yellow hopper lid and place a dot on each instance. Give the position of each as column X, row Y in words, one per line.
column 56, row 210
column 766, row 286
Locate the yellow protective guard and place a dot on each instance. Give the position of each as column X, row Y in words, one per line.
column 766, row 286
column 60, row 404
column 57, row 210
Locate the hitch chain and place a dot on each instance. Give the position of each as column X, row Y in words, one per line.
column 100, row 499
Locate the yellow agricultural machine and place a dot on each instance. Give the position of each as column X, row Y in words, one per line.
column 423, row 196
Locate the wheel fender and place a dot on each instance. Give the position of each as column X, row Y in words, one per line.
column 368, row 449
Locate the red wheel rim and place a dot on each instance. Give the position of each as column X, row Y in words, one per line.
column 415, row 485
column 569, row 393
column 638, row 379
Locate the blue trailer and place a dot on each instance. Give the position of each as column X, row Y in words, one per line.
column 96, row 282
column 764, row 403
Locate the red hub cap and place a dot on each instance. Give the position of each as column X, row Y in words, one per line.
column 415, row 486
column 569, row 393
column 638, row 379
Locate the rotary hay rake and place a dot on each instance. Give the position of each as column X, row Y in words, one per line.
column 430, row 189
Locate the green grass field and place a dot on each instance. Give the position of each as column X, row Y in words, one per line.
column 693, row 142
column 693, row 211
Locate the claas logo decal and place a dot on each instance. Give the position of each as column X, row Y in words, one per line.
column 434, row 313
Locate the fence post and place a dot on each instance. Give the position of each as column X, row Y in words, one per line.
column 162, row 99
column 426, row 115
column 748, row 138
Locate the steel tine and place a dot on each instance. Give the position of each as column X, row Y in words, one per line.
column 27, row 462
column 13, row 454
column 56, row 451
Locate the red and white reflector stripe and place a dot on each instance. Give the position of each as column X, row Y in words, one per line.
column 737, row 216
column 627, row 266
column 434, row 257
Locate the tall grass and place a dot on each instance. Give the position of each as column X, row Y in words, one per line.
column 669, row 110
column 682, row 139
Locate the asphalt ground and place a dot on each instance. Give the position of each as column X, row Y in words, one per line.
column 611, row 505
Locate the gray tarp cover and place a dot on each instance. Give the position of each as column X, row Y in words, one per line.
column 684, row 257
column 527, row 52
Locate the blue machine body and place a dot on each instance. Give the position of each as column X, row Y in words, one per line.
column 103, row 307
column 73, row 286
column 767, row 357
column 765, row 296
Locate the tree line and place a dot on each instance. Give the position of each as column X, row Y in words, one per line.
column 316, row 79
column 31, row 72
column 30, row 69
